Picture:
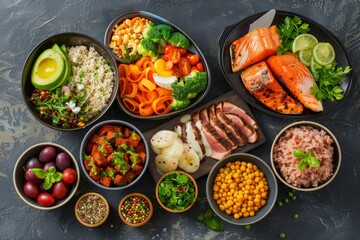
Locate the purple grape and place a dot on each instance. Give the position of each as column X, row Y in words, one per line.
column 31, row 190
column 33, row 163
column 48, row 165
column 63, row 161
column 31, row 177
column 48, row 154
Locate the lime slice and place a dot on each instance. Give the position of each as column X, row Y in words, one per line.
column 314, row 65
column 324, row 53
column 304, row 41
column 305, row 56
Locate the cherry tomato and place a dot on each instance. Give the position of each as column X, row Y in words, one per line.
column 69, row 175
column 174, row 55
column 169, row 65
column 168, row 48
column 176, row 71
column 200, row 66
column 188, row 55
column 46, row 199
column 166, row 57
column 60, row 190
column 185, row 66
column 183, row 51
column 194, row 59
column 194, row 68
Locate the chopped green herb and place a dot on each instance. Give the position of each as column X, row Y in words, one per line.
column 282, row 235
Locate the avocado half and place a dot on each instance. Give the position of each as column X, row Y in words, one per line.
column 63, row 53
column 48, row 70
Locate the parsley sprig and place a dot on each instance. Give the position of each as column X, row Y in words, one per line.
column 306, row 159
column 289, row 30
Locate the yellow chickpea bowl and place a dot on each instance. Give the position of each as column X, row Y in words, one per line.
column 241, row 189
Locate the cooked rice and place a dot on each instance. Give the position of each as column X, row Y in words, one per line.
column 318, row 142
column 92, row 73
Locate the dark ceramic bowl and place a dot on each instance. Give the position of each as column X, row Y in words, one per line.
column 272, row 191
column 193, row 48
column 19, row 172
column 336, row 155
column 68, row 39
column 84, row 150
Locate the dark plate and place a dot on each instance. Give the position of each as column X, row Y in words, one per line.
column 237, row 30
column 193, row 48
column 206, row 164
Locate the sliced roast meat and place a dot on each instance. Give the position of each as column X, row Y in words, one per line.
column 251, row 133
column 197, row 134
column 220, row 147
column 242, row 140
column 222, row 129
column 231, row 108
column 198, row 125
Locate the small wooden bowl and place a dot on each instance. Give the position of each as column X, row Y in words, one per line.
column 81, row 220
column 151, row 209
column 163, row 205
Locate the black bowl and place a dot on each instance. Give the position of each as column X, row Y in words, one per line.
column 193, row 48
column 68, row 39
column 272, row 192
column 239, row 29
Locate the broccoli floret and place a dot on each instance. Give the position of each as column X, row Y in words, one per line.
column 189, row 86
column 179, row 104
column 129, row 58
column 152, row 33
column 178, row 39
column 148, row 48
column 165, row 30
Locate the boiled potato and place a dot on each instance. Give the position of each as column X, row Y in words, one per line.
column 175, row 149
column 165, row 163
column 155, row 149
column 163, row 138
column 189, row 160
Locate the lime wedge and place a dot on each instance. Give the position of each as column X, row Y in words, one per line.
column 324, row 53
column 314, row 65
column 305, row 56
column 304, row 41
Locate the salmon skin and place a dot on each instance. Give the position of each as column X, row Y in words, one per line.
column 260, row 82
column 254, row 47
column 296, row 77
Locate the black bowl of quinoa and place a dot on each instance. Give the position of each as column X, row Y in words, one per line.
column 90, row 91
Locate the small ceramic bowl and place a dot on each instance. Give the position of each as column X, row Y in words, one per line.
column 130, row 171
column 165, row 204
column 297, row 177
column 68, row 39
column 271, row 183
column 91, row 209
column 141, row 207
column 19, row 178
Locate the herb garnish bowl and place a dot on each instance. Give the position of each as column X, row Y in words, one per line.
column 182, row 198
column 312, row 152
column 239, row 188
column 135, row 209
column 20, row 178
column 92, row 209
column 89, row 91
column 114, row 155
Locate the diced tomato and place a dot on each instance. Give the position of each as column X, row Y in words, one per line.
column 194, row 59
column 183, row 51
column 168, row 48
column 176, row 71
column 174, row 55
column 185, row 66
column 200, row 66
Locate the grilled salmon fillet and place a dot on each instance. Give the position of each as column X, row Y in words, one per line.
column 254, row 47
column 296, row 77
column 261, row 83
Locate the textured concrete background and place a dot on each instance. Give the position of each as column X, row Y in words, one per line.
column 332, row 213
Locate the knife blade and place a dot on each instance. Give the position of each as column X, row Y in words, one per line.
column 263, row 21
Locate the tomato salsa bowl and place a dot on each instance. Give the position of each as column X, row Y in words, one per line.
column 155, row 58
column 69, row 80
column 53, row 162
column 114, row 155
column 135, row 209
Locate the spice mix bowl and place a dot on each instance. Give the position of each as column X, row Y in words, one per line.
column 135, row 209
column 91, row 209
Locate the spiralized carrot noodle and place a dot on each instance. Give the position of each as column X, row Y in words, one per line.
column 139, row 92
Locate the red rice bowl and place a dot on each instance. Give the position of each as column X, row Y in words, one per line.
column 311, row 137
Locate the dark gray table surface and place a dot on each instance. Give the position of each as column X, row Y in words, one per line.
column 331, row 213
